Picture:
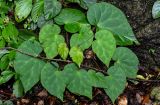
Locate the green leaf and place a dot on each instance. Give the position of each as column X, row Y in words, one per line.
column 107, row 16
column 156, row 9
column 87, row 3
column 29, row 68
column 127, row 60
column 69, row 15
column 72, row 27
column 77, row 55
column 73, row 1
column 50, row 39
column 3, row 52
column 2, row 42
column 97, row 79
column 42, row 21
column 115, row 82
column 51, row 8
column 79, row 81
column 4, row 62
column 10, row 32
column 53, row 80
column 18, row 88
column 63, row 50
column 23, row 9
column 83, row 39
column 104, row 46
column 37, row 10
column 6, row 76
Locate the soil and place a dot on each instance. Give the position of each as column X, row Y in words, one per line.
column 147, row 31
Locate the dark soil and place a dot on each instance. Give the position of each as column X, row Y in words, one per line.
column 147, row 31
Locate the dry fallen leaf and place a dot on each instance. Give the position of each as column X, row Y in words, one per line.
column 122, row 100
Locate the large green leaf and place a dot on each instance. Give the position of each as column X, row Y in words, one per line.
column 50, row 39
column 127, row 60
column 104, row 46
column 69, row 15
column 23, row 9
column 77, row 55
column 37, row 10
column 107, row 16
column 51, row 8
column 84, row 38
column 156, row 9
column 97, row 79
column 29, row 68
column 53, row 80
column 115, row 82
column 79, row 82
column 10, row 32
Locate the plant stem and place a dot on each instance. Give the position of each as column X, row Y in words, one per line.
column 68, row 61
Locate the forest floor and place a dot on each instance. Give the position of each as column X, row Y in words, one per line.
column 147, row 31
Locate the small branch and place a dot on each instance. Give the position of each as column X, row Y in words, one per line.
column 68, row 61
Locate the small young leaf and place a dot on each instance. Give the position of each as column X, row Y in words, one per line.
column 18, row 88
column 53, row 80
column 127, row 60
column 29, row 68
column 72, row 27
column 77, row 55
column 115, row 82
column 37, row 10
column 51, row 8
column 84, row 38
column 107, row 16
column 23, row 9
column 50, row 39
column 156, row 9
column 63, row 50
column 104, row 46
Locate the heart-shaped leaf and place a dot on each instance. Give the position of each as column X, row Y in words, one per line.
column 115, row 82
column 107, row 16
column 23, row 9
column 50, row 39
column 69, row 15
column 97, row 79
column 77, row 55
column 29, row 77
column 79, row 81
column 53, row 80
column 127, row 60
column 37, row 10
column 104, row 46
column 156, row 9
column 51, row 8
column 83, row 39
column 63, row 50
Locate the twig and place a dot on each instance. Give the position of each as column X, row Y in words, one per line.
column 68, row 61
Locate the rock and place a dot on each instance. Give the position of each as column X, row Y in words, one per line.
column 41, row 102
column 25, row 101
column 43, row 93
column 122, row 100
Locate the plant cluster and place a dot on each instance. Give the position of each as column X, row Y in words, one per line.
column 65, row 33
